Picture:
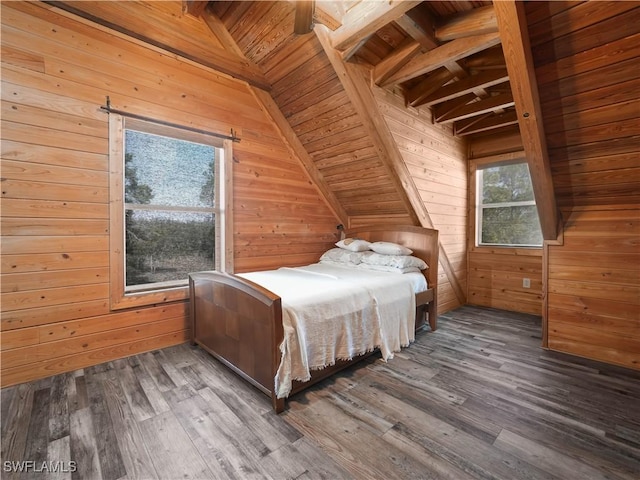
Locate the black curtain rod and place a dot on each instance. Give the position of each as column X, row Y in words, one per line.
column 107, row 108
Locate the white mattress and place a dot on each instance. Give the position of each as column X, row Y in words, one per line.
column 332, row 312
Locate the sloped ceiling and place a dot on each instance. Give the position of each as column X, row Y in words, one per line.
column 445, row 56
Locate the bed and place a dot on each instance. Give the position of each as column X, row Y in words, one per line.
column 262, row 333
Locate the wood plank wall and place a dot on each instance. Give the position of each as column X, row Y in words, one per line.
column 586, row 57
column 318, row 109
column 436, row 161
column 56, row 72
column 496, row 274
column 594, row 286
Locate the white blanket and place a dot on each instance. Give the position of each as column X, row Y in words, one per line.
column 334, row 313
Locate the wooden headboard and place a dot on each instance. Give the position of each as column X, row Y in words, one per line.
column 423, row 242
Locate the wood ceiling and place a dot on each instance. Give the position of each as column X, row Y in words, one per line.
column 445, row 56
column 442, row 55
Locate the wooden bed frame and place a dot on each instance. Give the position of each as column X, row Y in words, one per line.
column 240, row 322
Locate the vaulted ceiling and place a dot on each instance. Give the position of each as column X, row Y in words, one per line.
column 445, row 56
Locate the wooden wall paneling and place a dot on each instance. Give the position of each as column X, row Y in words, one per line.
column 590, row 85
column 182, row 35
column 594, row 307
column 575, row 22
column 114, row 336
column 316, row 105
column 431, row 155
column 55, row 220
column 504, row 141
column 297, row 51
column 117, row 61
column 593, row 59
column 586, row 64
column 28, row 152
column 33, row 371
column 495, row 277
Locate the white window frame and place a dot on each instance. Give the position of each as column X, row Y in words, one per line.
column 122, row 296
column 480, row 207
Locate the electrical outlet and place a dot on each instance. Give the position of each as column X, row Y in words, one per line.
column 526, row 283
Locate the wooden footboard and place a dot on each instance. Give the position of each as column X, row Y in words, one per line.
column 239, row 323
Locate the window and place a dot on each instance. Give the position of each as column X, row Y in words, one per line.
column 167, row 212
column 506, row 208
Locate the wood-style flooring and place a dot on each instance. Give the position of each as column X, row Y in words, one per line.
column 477, row 399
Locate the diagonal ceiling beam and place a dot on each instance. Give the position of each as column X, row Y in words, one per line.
column 287, row 134
column 517, row 52
column 328, row 14
column 194, row 7
column 426, row 87
column 486, row 105
column 359, row 91
column 365, row 19
column 478, row 21
column 467, row 85
column 483, row 124
column 394, row 62
column 441, row 56
column 421, row 31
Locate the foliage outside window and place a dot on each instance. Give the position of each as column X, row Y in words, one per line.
column 166, row 211
column 506, row 207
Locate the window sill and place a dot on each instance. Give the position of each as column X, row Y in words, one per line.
column 504, row 250
column 150, row 297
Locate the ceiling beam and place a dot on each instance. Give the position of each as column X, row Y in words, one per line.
column 426, row 87
column 514, row 32
column 483, row 124
column 287, row 134
column 359, row 92
column 441, row 56
column 303, row 18
column 365, row 19
column 396, row 60
column 194, row 7
column 467, row 85
column 478, row 21
column 327, row 14
column 421, row 30
column 486, row 105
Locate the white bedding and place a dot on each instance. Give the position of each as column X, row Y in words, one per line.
column 330, row 313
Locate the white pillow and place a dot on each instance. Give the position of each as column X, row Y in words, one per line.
column 353, row 244
column 397, row 261
column 339, row 255
column 389, row 248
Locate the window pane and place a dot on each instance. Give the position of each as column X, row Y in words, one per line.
column 507, row 183
column 165, row 246
column 166, row 171
column 511, row 226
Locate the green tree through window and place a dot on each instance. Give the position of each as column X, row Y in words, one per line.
column 507, row 213
column 169, row 189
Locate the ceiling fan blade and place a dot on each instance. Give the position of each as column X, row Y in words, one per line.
column 303, row 22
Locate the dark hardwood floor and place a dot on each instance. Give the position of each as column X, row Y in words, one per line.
column 477, row 399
